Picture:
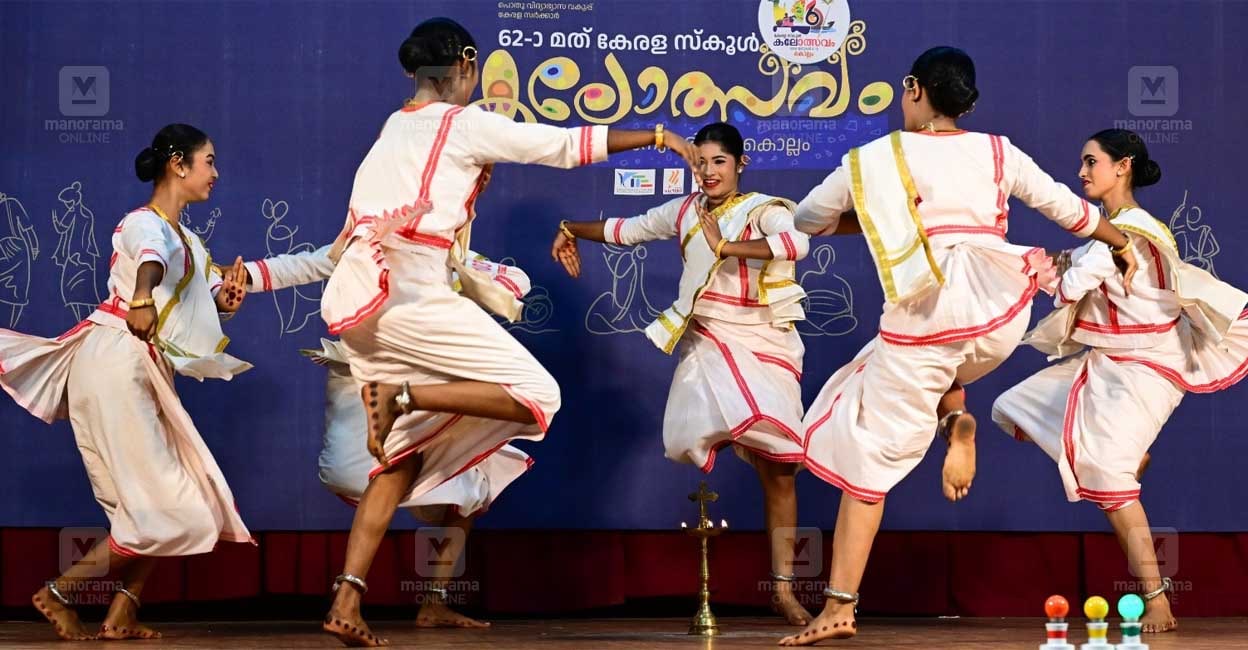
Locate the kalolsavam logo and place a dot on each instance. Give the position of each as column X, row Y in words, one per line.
column 803, row 31
column 634, row 182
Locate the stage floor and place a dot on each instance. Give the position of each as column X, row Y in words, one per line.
column 630, row 634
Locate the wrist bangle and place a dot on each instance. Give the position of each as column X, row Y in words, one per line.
column 563, row 227
column 658, row 138
column 719, row 248
column 1118, row 252
column 145, row 302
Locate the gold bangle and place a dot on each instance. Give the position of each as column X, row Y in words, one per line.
column 719, row 248
column 145, row 302
column 658, row 138
column 563, row 227
column 1118, row 252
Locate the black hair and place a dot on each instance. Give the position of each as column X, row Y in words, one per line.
column 173, row 140
column 948, row 76
column 1121, row 143
column 723, row 134
column 436, row 42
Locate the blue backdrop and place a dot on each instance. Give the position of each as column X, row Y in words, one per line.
column 293, row 94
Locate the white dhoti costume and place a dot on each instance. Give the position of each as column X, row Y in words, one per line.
column 391, row 297
column 149, row 468
column 740, row 356
column 958, row 297
column 345, row 463
column 1096, row 414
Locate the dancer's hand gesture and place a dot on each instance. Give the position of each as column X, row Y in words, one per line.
column 710, row 226
column 683, row 148
column 233, row 287
column 142, row 322
column 565, row 251
column 1127, row 263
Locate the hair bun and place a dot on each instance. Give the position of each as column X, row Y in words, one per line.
column 1146, row 172
column 415, row 53
column 146, row 164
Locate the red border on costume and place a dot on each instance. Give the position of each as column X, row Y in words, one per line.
column 777, row 458
column 756, row 414
column 619, row 224
column 1083, row 221
column 736, row 301
column 74, row 330
column 790, row 249
column 995, row 231
column 860, row 493
column 680, row 215
column 411, row 449
column 119, row 550
column 965, row 333
column 1161, row 276
column 510, row 285
column 774, row 360
column 1113, row 328
column 542, row 421
column 1068, row 445
column 266, row 279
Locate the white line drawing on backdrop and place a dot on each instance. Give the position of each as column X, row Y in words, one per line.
column 295, row 305
column 18, row 251
column 1196, row 242
column 204, row 233
column 538, row 308
column 829, row 312
column 76, row 253
column 625, row 308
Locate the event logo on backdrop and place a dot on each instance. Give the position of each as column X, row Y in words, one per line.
column 801, row 110
column 803, row 31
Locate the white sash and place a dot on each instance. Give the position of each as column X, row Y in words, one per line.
column 887, row 206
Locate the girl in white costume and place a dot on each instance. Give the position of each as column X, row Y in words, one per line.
column 112, row 376
column 345, row 462
column 932, row 202
column 419, row 348
column 1178, row 330
column 740, row 365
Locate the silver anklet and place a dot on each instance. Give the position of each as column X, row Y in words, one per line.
column 841, row 596
column 1166, row 585
column 56, row 593
column 943, row 427
column 441, row 591
column 347, row 577
column 129, row 594
column 777, row 576
column 404, row 399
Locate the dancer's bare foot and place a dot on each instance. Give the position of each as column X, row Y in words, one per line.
column 784, row 603
column 435, row 614
column 1144, row 463
column 122, row 622
column 836, row 621
column 382, row 411
column 959, row 468
column 62, row 618
column 352, row 631
column 1157, row 616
